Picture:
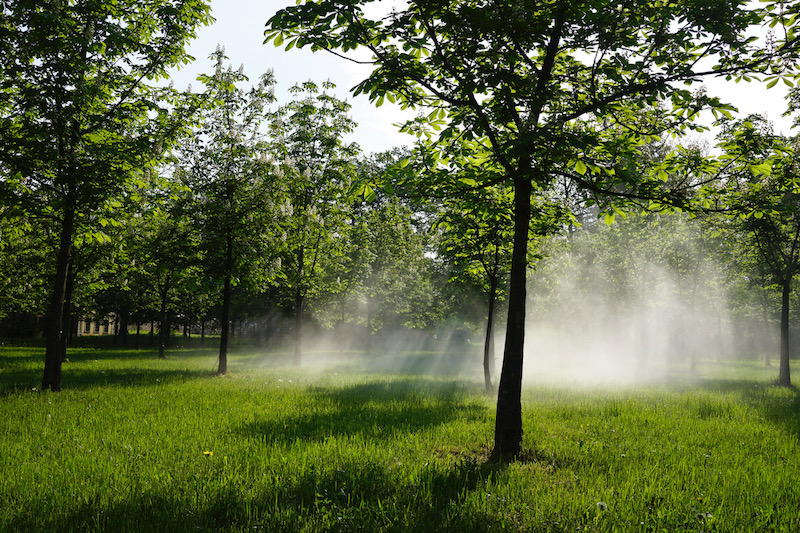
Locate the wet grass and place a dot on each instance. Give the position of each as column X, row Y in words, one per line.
column 134, row 443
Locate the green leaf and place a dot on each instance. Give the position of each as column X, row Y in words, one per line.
column 580, row 167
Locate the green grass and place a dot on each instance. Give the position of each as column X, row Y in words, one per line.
column 138, row 444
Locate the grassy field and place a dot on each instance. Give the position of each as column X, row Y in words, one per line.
column 134, row 443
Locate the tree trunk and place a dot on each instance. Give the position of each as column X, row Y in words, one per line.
column 163, row 328
column 51, row 379
column 765, row 318
column 488, row 344
column 152, row 329
column 784, row 377
column 12, row 334
column 202, row 332
column 138, row 332
column 298, row 326
column 226, row 324
column 122, row 325
column 226, row 308
column 298, row 309
column 508, row 422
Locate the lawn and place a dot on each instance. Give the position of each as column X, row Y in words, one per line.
column 134, row 443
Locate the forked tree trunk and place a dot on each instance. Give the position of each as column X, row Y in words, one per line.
column 508, row 422
column 784, row 377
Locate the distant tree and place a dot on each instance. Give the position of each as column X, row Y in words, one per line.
column 226, row 165
column 77, row 118
column 763, row 195
column 316, row 168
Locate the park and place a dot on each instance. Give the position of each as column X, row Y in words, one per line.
column 568, row 302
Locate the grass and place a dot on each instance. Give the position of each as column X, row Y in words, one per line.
column 138, row 444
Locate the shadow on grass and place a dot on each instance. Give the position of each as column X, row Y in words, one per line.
column 353, row 497
column 378, row 410
column 780, row 406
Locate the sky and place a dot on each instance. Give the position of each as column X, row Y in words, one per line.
column 239, row 27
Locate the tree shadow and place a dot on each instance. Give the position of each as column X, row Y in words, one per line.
column 356, row 496
column 377, row 410
column 782, row 409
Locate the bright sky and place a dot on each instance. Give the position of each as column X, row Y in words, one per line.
column 240, row 29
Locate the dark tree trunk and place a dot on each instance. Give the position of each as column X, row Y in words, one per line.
column 488, row 344
column 152, row 330
column 12, row 334
column 784, row 377
column 202, row 332
column 138, row 333
column 298, row 309
column 508, row 422
column 163, row 328
column 122, row 327
column 765, row 318
column 226, row 308
column 51, row 379
column 298, row 326
column 226, row 327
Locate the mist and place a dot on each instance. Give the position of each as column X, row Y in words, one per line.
column 642, row 301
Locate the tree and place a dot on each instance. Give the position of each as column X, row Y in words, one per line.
column 762, row 193
column 227, row 167
column 316, row 167
column 77, row 118
column 537, row 85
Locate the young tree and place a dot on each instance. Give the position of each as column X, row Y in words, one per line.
column 316, row 167
column 537, row 84
column 77, row 118
column 763, row 195
column 227, row 167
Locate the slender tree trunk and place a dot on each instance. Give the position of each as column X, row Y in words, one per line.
column 298, row 326
column 163, row 329
column 138, row 332
column 784, row 377
column 12, row 334
column 226, row 327
column 226, row 308
column 122, row 326
column 51, row 379
column 152, row 329
column 765, row 318
column 488, row 344
column 298, row 309
column 203, row 332
column 508, row 422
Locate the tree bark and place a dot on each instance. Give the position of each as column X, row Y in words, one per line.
column 51, row 379
column 508, row 422
column 163, row 329
column 226, row 333
column 298, row 309
column 784, row 377
column 222, row 369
